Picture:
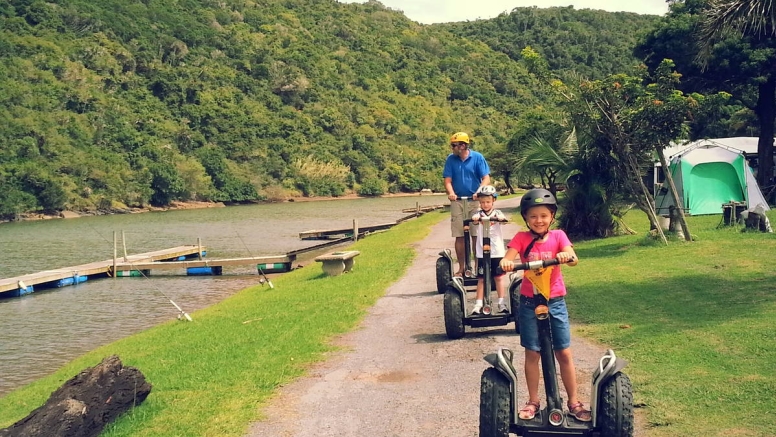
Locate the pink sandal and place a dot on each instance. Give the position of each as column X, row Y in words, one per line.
column 528, row 412
column 579, row 412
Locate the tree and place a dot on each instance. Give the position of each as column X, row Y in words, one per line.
column 755, row 20
column 629, row 121
column 554, row 160
column 723, row 45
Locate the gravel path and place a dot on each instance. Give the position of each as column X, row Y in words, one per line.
column 399, row 374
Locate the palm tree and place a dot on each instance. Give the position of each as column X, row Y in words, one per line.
column 755, row 20
column 553, row 161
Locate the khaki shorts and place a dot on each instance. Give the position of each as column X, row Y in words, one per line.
column 457, row 217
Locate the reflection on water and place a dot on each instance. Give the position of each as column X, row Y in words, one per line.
column 46, row 329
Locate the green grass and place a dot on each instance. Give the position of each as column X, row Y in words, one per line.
column 695, row 321
column 211, row 376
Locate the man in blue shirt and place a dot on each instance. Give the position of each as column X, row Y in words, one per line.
column 465, row 172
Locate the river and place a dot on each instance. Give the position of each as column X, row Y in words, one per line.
column 42, row 331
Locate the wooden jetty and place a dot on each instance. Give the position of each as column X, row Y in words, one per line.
column 216, row 264
column 340, row 233
column 19, row 284
column 424, row 208
column 347, row 233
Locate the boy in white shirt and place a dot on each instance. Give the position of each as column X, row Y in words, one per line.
column 487, row 198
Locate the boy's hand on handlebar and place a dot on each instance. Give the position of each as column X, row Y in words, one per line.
column 452, row 197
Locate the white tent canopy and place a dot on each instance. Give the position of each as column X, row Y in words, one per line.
column 747, row 145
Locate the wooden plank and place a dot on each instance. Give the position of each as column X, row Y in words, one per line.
column 313, row 235
column 166, row 265
column 93, row 268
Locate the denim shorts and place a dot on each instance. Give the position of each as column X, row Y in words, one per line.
column 559, row 324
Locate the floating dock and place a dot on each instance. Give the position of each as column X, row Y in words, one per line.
column 343, row 233
column 20, row 285
column 347, row 233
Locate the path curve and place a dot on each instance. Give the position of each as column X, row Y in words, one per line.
column 399, row 374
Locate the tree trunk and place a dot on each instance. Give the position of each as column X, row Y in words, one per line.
column 766, row 112
column 507, row 175
column 674, row 194
column 650, row 205
column 85, row 404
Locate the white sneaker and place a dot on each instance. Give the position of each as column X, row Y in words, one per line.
column 502, row 308
column 477, row 309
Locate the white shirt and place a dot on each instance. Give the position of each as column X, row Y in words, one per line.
column 497, row 248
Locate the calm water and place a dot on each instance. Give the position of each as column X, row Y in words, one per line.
column 44, row 330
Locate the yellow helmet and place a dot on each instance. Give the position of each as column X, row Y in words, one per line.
column 460, row 137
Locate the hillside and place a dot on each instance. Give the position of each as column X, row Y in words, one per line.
column 114, row 103
column 593, row 43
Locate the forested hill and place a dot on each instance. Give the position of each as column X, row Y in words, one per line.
column 593, row 43
column 113, row 103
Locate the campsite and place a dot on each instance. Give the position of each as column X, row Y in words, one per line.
column 708, row 174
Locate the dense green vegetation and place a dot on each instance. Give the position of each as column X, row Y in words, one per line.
column 127, row 103
column 591, row 43
column 136, row 102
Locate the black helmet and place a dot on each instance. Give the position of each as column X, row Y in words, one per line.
column 536, row 197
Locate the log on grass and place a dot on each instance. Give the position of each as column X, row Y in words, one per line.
column 85, row 404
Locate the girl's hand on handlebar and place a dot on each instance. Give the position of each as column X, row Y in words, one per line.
column 565, row 257
column 506, row 265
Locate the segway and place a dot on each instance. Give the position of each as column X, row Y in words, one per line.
column 445, row 264
column 456, row 311
column 611, row 395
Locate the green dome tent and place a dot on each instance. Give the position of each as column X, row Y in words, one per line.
column 708, row 176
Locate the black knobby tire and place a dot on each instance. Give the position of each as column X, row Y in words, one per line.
column 443, row 276
column 453, row 315
column 514, row 301
column 494, row 404
column 615, row 408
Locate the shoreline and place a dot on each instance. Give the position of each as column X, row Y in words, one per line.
column 177, row 205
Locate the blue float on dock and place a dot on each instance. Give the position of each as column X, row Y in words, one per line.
column 64, row 282
column 204, row 271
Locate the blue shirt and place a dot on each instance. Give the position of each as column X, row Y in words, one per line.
column 466, row 175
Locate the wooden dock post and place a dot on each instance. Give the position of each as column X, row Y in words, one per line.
column 355, row 230
column 113, row 271
column 124, row 243
column 199, row 248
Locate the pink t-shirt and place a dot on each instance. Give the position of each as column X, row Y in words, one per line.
column 556, row 241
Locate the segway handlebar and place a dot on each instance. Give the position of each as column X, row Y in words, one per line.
column 539, row 264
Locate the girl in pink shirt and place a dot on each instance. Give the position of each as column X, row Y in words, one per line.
column 538, row 208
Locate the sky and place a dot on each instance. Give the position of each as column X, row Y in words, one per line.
column 443, row 11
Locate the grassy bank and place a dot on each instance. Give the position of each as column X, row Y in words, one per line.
column 210, row 376
column 695, row 320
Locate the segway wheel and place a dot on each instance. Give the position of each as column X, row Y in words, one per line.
column 494, row 404
column 443, row 276
column 453, row 315
column 514, row 301
column 615, row 408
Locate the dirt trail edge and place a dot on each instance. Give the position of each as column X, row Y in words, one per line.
column 399, row 374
